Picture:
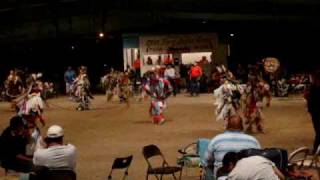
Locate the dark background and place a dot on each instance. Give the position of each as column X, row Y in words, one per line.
column 49, row 36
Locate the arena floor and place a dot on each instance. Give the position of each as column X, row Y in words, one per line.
column 112, row 130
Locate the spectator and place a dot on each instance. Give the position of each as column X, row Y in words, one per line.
column 260, row 168
column 170, row 75
column 13, row 147
column 149, row 61
column 137, row 66
column 168, row 60
column 195, row 74
column 159, row 61
column 229, row 161
column 69, row 77
column 232, row 140
column 313, row 103
column 53, row 153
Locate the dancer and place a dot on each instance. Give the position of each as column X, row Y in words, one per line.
column 124, row 88
column 255, row 92
column 82, row 89
column 159, row 89
column 13, row 85
column 227, row 96
column 109, row 83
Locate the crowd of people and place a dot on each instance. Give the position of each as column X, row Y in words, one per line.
column 239, row 99
column 24, row 150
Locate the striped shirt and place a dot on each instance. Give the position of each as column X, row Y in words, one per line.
column 229, row 141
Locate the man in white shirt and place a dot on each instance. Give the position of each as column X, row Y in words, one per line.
column 255, row 168
column 53, row 154
column 170, row 75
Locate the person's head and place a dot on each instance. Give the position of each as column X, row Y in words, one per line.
column 54, row 135
column 230, row 160
column 69, row 68
column 17, row 125
column 235, row 123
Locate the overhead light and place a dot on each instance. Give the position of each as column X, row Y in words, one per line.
column 101, row 35
column 204, row 22
column 231, row 34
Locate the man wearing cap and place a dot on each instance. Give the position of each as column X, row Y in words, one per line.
column 53, row 153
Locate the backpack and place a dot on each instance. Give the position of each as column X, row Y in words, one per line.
column 277, row 155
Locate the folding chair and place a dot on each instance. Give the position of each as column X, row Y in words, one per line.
column 299, row 156
column 189, row 157
column 202, row 146
column 152, row 151
column 121, row 163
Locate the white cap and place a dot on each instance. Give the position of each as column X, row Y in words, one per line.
column 55, row 131
column 39, row 75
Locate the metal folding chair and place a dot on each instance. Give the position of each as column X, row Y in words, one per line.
column 152, row 151
column 121, row 163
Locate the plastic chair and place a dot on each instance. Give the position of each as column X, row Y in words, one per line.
column 152, row 151
column 189, row 157
column 202, row 146
column 299, row 156
column 121, row 163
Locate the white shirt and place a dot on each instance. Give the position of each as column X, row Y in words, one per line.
column 253, row 168
column 59, row 156
column 170, row 73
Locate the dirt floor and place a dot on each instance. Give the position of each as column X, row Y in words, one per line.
column 112, row 130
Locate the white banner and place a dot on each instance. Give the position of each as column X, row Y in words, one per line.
column 180, row 43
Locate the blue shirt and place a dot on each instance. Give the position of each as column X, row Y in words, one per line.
column 69, row 76
column 229, row 141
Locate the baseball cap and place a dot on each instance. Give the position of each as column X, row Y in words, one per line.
column 55, row 131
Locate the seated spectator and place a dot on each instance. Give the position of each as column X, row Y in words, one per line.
column 13, row 147
column 229, row 161
column 53, row 153
column 260, row 169
column 232, row 140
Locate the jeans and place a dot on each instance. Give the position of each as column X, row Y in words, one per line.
column 194, row 86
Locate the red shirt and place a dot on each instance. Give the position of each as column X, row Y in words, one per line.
column 136, row 64
column 195, row 72
column 168, row 61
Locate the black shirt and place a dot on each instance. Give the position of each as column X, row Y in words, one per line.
column 11, row 145
column 314, row 100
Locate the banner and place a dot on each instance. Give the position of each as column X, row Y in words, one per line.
column 180, row 43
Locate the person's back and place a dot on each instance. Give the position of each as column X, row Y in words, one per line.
column 230, row 141
column 59, row 156
column 54, row 154
column 253, row 168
